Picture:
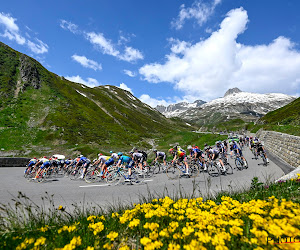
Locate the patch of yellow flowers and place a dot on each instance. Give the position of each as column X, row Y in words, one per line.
column 189, row 224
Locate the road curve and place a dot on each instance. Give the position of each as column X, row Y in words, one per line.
column 67, row 192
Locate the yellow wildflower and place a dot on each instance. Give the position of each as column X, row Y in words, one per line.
column 112, row 235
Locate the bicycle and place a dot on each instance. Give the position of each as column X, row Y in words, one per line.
column 119, row 174
column 94, row 175
column 176, row 169
column 239, row 163
column 262, row 155
column 212, row 169
column 229, row 169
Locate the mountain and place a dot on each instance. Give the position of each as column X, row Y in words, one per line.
column 234, row 105
column 43, row 112
column 285, row 119
column 232, row 91
column 175, row 110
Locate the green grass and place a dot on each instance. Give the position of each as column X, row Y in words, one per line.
column 25, row 224
column 57, row 116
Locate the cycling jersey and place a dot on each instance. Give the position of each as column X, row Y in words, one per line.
column 32, row 162
column 180, row 153
column 161, row 155
column 126, row 159
column 114, row 156
column 103, row 158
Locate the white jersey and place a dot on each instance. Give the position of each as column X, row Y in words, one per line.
column 114, row 156
column 137, row 155
column 103, row 158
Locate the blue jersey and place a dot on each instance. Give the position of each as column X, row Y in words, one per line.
column 125, row 159
column 235, row 147
column 83, row 160
column 195, row 151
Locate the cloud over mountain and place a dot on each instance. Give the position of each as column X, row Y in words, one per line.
column 206, row 69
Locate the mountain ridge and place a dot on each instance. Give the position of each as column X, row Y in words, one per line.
column 235, row 104
column 41, row 111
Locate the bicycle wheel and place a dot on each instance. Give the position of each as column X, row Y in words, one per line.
column 194, row 170
column 156, row 168
column 137, row 177
column 113, row 177
column 173, row 172
column 148, row 170
column 238, row 164
column 265, row 163
column 212, row 170
column 91, row 176
column 75, row 174
column 229, row 169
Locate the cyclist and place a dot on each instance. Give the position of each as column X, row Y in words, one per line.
column 110, row 161
column 128, row 161
column 85, row 162
column 220, row 146
column 213, row 154
column 138, row 158
column 44, row 164
column 31, row 164
column 234, row 148
column 197, row 153
column 160, row 156
column 260, row 148
column 179, row 153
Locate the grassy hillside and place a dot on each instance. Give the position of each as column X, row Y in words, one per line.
column 285, row 119
column 42, row 112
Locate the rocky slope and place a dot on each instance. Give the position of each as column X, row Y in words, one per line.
column 40, row 111
column 234, row 105
column 175, row 110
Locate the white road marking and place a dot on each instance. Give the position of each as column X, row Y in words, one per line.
column 102, row 185
column 105, row 185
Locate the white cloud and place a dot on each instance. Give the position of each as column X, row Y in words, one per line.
column 129, row 73
column 66, row 25
column 125, row 87
column 37, row 48
column 200, row 11
column 205, row 70
column 131, row 55
column 102, row 43
column 90, row 82
column 12, row 32
column 106, row 46
column 11, row 29
column 177, row 46
column 154, row 102
column 87, row 63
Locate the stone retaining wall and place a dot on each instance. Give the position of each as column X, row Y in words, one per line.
column 284, row 146
column 13, row 161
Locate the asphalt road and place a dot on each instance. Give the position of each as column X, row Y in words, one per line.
column 67, row 192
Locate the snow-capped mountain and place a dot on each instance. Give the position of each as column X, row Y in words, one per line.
column 234, row 104
column 174, row 110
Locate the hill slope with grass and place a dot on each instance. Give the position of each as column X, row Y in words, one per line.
column 285, row 119
column 43, row 112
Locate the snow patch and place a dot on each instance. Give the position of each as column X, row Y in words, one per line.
column 81, row 93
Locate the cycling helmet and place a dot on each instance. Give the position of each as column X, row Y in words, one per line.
column 189, row 147
column 155, row 150
column 45, row 157
column 110, row 152
column 120, row 154
column 100, row 154
column 80, row 156
column 34, row 158
column 171, row 150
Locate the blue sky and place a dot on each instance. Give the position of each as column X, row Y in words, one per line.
column 162, row 51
